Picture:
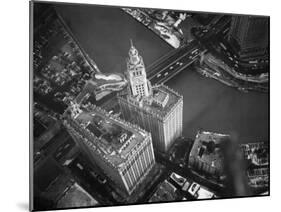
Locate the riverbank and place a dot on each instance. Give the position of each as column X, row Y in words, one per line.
column 104, row 33
column 213, row 106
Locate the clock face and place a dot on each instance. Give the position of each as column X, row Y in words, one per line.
column 138, row 81
column 139, row 68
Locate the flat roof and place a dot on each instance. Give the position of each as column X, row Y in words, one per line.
column 115, row 138
column 159, row 92
column 58, row 186
column 174, row 98
column 207, row 148
column 76, row 196
column 165, row 192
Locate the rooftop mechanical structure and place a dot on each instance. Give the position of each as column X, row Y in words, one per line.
column 123, row 151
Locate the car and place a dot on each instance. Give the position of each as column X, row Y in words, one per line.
column 186, row 186
column 179, row 63
column 193, row 189
column 79, row 166
column 171, row 67
column 67, row 162
column 178, row 179
column 203, row 193
column 166, row 73
column 194, row 51
column 101, row 179
column 66, row 146
column 158, row 75
column 199, row 192
column 93, row 174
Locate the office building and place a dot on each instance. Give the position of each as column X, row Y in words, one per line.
column 157, row 109
column 206, row 155
column 249, row 37
column 123, row 151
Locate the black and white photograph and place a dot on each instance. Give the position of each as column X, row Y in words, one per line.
column 138, row 105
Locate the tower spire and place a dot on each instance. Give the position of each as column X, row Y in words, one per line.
column 133, row 53
column 136, row 73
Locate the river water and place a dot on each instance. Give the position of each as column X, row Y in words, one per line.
column 104, row 34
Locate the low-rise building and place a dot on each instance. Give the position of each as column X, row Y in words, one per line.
column 76, row 196
column 63, row 190
column 206, row 155
column 166, row 192
column 257, row 153
column 258, row 167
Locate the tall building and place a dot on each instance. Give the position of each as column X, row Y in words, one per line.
column 156, row 109
column 123, row 151
column 249, row 36
column 136, row 74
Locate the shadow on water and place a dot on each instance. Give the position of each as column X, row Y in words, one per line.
column 193, row 122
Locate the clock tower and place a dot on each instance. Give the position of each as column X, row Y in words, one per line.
column 139, row 86
column 156, row 109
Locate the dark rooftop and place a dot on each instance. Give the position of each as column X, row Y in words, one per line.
column 165, row 192
column 76, row 196
column 207, row 149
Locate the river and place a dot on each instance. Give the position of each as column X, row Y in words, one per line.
column 104, row 33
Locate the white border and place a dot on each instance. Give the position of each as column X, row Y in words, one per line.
column 15, row 104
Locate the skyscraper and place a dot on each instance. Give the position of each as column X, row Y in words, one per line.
column 123, row 151
column 157, row 109
column 249, row 36
column 136, row 74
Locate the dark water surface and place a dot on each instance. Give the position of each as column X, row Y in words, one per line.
column 211, row 105
column 104, row 33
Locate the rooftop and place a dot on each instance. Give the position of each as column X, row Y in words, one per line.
column 114, row 81
column 58, row 186
column 207, row 149
column 165, row 192
column 113, row 138
column 76, row 196
column 161, row 102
